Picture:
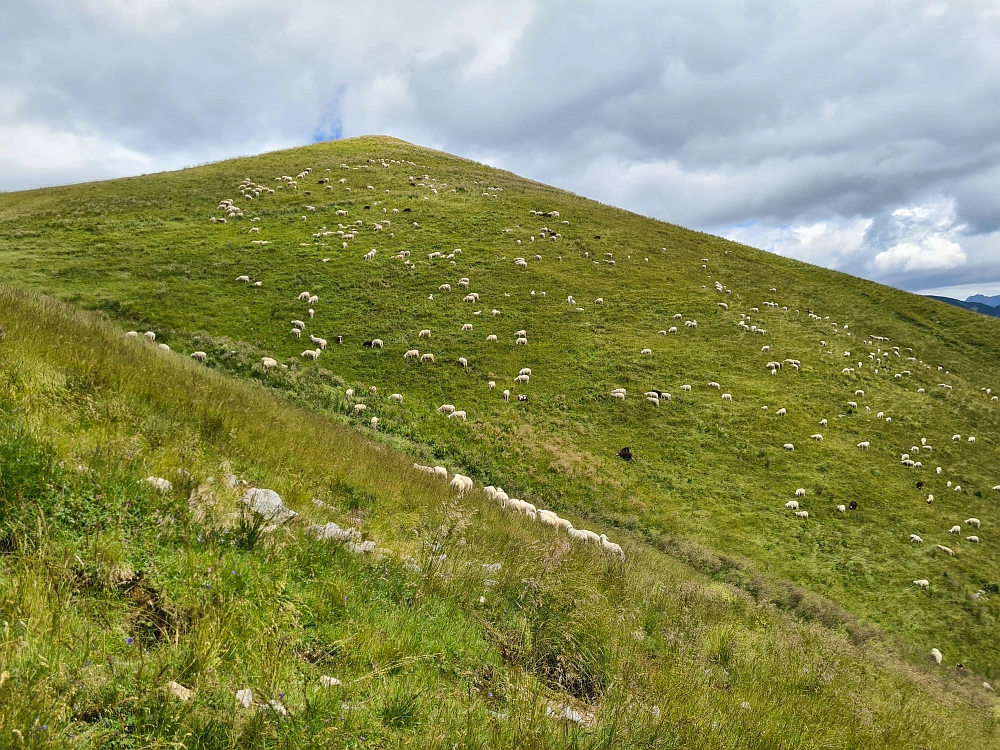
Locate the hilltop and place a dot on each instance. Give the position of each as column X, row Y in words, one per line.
column 710, row 478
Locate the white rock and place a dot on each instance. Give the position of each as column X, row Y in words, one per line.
column 244, row 697
column 329, row 682
column 159, row 484
column 268, row 504
column 178, row 691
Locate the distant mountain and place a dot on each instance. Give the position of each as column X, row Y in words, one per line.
column 982, row 299
column 993, row 312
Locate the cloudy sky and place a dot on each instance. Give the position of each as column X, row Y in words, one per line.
column 859, row 135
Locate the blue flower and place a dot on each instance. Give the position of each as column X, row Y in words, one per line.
column 129, row 641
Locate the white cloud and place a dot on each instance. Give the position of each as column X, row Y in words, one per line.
column 830, row 243
column 924, row 238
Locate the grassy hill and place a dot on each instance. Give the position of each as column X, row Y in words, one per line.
column 709, row 480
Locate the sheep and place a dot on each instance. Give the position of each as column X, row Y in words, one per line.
column 817, row 437
column 424, row 334
column 822, row 423
column 463, row 361
column 922, row 583
column 714, row 385
column 521, row 334
column 781, row 412
column 321, row 343
column 686, row 388
column 491, row 384
column 914, row 539
column 973, row 522
column 312, row 313
column 267, row 362
column 800, row 492
column 792, row 505
column 349, row 394
column 973, row 539
column 506, row 395
column 672, row 329
column 864, row 445
column 411, row 354
column 972, row 439
column 467, row 326
column 398, row 397
column 947, row 550
column 132, row 335
column 599, row 301
column 521, row 341
column 200, row 356
column 802, row 514
column 359, row 408
column 522, row 379
column 727, row 397
column 298, row 324
column 611, row 547
column 313, row 299
column 149, row 336
column 646, row 352
column 525, row 371
column 243, row 279
column 163, row 347
column 788, row 447
column 935, row 653
column 457, row 415
column 956, row 438
column 426, row 357
column 446, row 409
column 841, row 509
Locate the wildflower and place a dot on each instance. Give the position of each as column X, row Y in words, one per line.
column 129, row 641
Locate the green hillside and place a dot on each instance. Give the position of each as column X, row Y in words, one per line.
column 709, row 480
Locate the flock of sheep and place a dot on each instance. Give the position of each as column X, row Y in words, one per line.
column 880, row 355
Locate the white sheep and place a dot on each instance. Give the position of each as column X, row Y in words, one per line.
column 491, row 338
column 374, row 422
column 426, row 333
column 611, row 547
column 973, row 539
column 243, row 279
column 935, row 653
column 922, row 583
column 522, row 379
column 463, row 361
column 446, row 409
column 782, row 412
column 521, row 341
column 788, row 447
column 792, row 505
column 411, row 354
column 311, row 353
column 426, row 357
column 841, row 508
column 685, row 388
column 268, row 362
column 457, row 415
column 973, row 522
column 506, row 395
column 349, row 394
column 800, row 492
column 714, row 385
column 727, row 397
column 817, row 437
column 491, row 384
column 299, row 324
column 398, row 397
column 360, row 408
column 946, row 550
column 149, row 336
column 200, row 356
column 802, row 514
column 822, row 423
column 914, row 539
column 646, row 352
column 864, row 445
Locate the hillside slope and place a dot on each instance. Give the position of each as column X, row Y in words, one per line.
column 707, row 473
column 136, row 617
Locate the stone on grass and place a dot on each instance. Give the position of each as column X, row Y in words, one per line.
column 268, row 504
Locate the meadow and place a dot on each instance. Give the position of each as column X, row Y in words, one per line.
column 709, row 480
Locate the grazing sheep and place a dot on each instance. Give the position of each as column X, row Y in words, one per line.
column 800, row 492
column 864, row 445
column 727, row 397
column 521, row 341
column 359, row 408
column 522, row 333
column 411, row 354
column 396, row 397
column 822, row 423
column 149, row 336
column 792, row 505
column 972, row 439
column 463, row 361
column 522, row 379
column 973, row 522
column 426, row 357
column 313, row 299
column 299, row 324
column 446, row 409
column 349, row 393
column 311, row 353
column 268, row 362
column 374, row 422
column 426, row 333
column 946, row 550
column 841, row 509
column 714, row 385
column 781, row 412
column 243, row 279
column 935, row 654
column 202, row 356
column 491, row 338
column 922, row 583
column 817, row 437
column 647, row 352
column 956, row 438
column 802, row 514
column 467, row 326
column 132, row 335
column 457, row 415
column 914, row 539
column 788, row 447
column 685, row 388
column 973, row 539
column 163, row 347
column 506, row 395
column 312, row 313
column 321, row 343
column 611, row 547
column 491, row 384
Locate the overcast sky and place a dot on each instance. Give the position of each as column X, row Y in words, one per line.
column 858, row 135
